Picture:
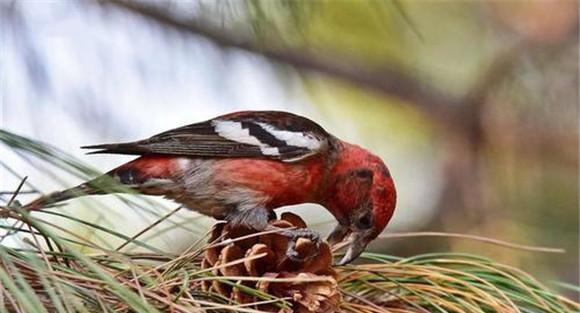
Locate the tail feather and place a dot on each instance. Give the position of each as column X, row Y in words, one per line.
column 60, row 196
column 125, row 179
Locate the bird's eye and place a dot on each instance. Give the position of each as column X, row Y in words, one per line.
column 364, row 221
column 364, row 173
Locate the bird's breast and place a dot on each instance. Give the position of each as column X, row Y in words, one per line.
column 277, row 182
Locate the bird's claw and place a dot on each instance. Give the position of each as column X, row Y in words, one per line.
column 294, row 235
column 338, row 234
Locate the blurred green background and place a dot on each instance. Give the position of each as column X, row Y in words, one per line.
column 473, row 105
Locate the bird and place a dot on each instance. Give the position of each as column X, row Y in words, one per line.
column 240, row 167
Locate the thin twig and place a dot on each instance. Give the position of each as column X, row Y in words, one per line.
column 363, row 300
column 146, row 229
column 22, row 192
column 17, row 191
column 476, row 238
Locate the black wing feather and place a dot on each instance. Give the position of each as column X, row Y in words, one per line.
column 202, row 140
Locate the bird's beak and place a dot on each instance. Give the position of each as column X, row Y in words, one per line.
column 358, row 241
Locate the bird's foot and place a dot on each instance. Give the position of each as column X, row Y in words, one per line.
column 294, row 235
column 338, row 234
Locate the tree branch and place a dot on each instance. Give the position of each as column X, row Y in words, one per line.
column 388, row 80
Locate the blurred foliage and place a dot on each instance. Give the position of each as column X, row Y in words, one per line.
column 500, row 161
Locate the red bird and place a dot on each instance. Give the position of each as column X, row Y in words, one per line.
column 241, row 166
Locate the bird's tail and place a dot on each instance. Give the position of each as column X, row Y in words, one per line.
column 100, row 185
column 124, row 179
column 59, row 196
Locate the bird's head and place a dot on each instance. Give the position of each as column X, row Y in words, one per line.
column 361, row 196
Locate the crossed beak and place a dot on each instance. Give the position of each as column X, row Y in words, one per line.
column 357, row 241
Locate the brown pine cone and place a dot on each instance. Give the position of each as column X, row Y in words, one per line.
column 311, row 284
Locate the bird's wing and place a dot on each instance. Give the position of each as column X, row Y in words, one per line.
column 266, row 134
